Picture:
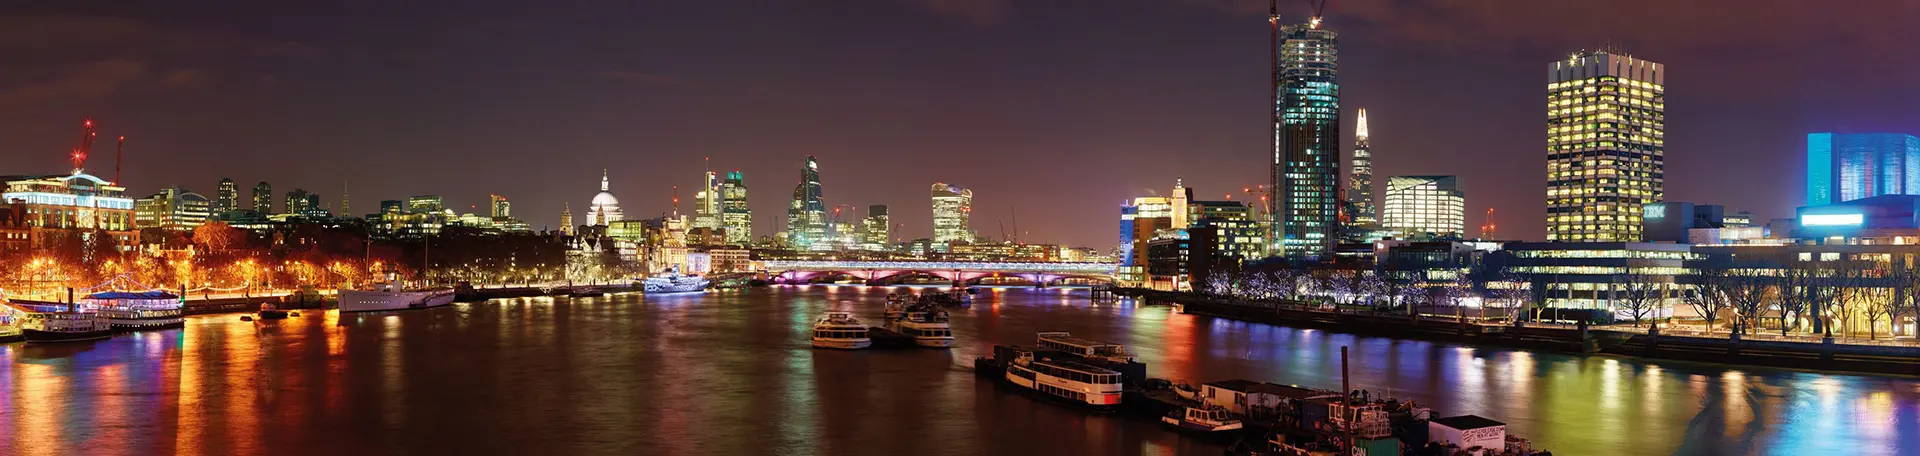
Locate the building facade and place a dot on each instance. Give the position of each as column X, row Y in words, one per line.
column 1429, row 206
column 80, row 206
column 1606, row 145
column 263, row 198
column 1306, row 158
column 952, row 209
column 1843, row 167
column 877, row 229
column 498, row 207
column 706, row 210
column 172, row 209
column 226, row 197
column 807, row 214
column 735, row 217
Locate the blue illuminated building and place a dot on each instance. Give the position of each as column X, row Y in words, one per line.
column 1894, row 218
column 1844, row 167
column 1306, row 155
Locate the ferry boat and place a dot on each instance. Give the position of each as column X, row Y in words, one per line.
column 1077, row 383
column 132, row 311
column 9, row 326
column 840, row 330
column 673, row 282
column 392, row 297
column 1208, row 420
column 928, row 327
column 60, row 322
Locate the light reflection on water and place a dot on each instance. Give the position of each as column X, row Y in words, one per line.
column 732, row 373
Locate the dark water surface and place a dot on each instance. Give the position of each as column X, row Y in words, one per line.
column 732, row 373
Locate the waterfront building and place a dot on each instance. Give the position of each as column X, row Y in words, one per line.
column 1594, row 280
column 1167, row 261
column 1360, row 182
column 735, row 217
column 1675, row 221
column 1606, row 145
column 706, row 212
column 1884, row 219
column 1844, row 167
column 1425, row 207
column 566, row 219
column 498, row 207
column 604, row 209
column 227, row 197
column 56, row 208
column 876, row 230
column 952, row 207
column 263, row 198
column 172, row 209
column 807, row 214
column 1233, row 233
column 1143, row 219
column 1306, row 153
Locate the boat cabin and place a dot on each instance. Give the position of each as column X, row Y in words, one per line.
column 1257, row 399
column 1062, row 341
column 1473, row 433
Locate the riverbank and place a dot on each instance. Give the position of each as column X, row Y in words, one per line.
column 1875, row 359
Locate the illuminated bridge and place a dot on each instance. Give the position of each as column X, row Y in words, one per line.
column 958, row 272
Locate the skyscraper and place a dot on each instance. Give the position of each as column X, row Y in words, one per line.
column 1606, row 145
column 1360, row 184
column 263, row 198
column 296, row 201
column 735, row 216
column 807, row 216
column 1306, row 149
column 1425, row 205
column 875, row 227
column 498, row 207
column 706, row 213
column 1844, row 167
column 952, row 206
column 227, row 197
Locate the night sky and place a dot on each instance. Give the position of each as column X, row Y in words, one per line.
column 1052, row 110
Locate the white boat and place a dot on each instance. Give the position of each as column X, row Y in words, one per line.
column 392, row 297
column 927, row 326
column 673, row 282
column 1074, row 382
column 128, row 311
column 51, row 322
column 840, row 330
column 1201, row 419
column 1090, row 349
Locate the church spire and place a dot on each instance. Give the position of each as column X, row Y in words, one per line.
column 603, row 179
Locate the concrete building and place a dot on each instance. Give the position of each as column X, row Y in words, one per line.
column 706, row 202
column 498, row 207
column 952, row 212
column 172, row 209
column 876, row 229
column 1606, row 145
column 1425, row 207
column 1589, row 280
column 56, row 208
column 1844, row 167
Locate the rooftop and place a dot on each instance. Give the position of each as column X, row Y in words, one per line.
column 1464, row 422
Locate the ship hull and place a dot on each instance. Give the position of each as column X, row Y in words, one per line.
column 376, row 301
column 36, row 335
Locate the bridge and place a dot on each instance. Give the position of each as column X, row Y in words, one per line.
column 1039, row 274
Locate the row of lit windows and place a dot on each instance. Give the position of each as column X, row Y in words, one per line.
column 1606, row 81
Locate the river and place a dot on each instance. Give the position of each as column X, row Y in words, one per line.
column 731, row 372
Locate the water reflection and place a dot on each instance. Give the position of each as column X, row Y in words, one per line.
column 732, row 373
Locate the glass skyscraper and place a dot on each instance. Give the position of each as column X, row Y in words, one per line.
column 735, row 217
column 807, row 216
column 1844, row 167
column 952, row 206
column 1306, row 155
column 1360, row 183
column 1606, row 145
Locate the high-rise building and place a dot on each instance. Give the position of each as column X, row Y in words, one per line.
column 735, row 217
column 425, row 204
column 227, row 197
column 67, row 206
column 706, row 213
column 1844, row 167
column 296, row 202
column 566, row 219
column 498, row 207
column 1425, row 206
column 1360, row 183
column 875, row 228
column 263, row 198
column 1306, row 147
column 1606, row 145
column 172, row 209
column 952, row 207
column 807, row 215
column 604, row 209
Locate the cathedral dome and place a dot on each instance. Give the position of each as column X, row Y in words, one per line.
column 605, row 199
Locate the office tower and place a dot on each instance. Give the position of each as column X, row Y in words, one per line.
column 1606, row 143
column 1425, row 206
column 263, row 198
column 1360, row 184
column 1844, row 167
column 807, row 215
column 296, row 201
column 1306, row 131
column 735, row 216
column 425, row 204
column 706, row 213
column 952, row 207
column 875, row 227
column 172, row 209
column 227, row 197
column 498, row 207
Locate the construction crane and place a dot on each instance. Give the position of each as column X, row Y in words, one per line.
column 1487, row 229
column 79, row 156
column 1319, row 11
column 119, row 153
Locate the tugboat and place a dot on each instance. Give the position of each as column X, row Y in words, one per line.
column 131, row 311
column 927, row 326
column 674, row 282
column 840, row 330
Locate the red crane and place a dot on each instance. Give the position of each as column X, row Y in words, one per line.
column 119, row 152
column 79, row 156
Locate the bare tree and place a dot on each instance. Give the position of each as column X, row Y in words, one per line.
column 1710, row 295
column 1748, row 292
column 1799, row 286
column 1906, row 295
column 1641, row 295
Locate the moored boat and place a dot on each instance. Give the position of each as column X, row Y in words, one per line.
column 927, row 326
column 840, row 330
column 131, row 311
column 60, row 322
column 392, row 297
column 673, row 282
column 1205, row 420
column 1065, row 380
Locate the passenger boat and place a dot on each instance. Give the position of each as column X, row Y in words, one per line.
column 132, row 311
column 60, row 322
column 392, row 297
column 673, row 282
column 927, row 326
column 270, row 312
column 9, row 326
column 1063, row 341
column 1073, row 382
column 840, row 330
column 1208, row 420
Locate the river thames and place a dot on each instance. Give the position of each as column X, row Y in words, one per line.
column 731, row 372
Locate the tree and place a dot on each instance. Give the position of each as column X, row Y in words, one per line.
column 1748, row 293
column 217, row 236
column 1906, row 295
column 1641, row 295
column 1710, row 295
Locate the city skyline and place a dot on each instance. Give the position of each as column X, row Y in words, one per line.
column 140, row 92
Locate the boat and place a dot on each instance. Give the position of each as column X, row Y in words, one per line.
column 9, row 326
column 840, row 330
column 51, row 322
column 674, row 282
column 1208, row 420
column 1063, row 341
column 392, row 297
column 269, row 312
column 132, row 311
column 1064, row 380
column 927, row 326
